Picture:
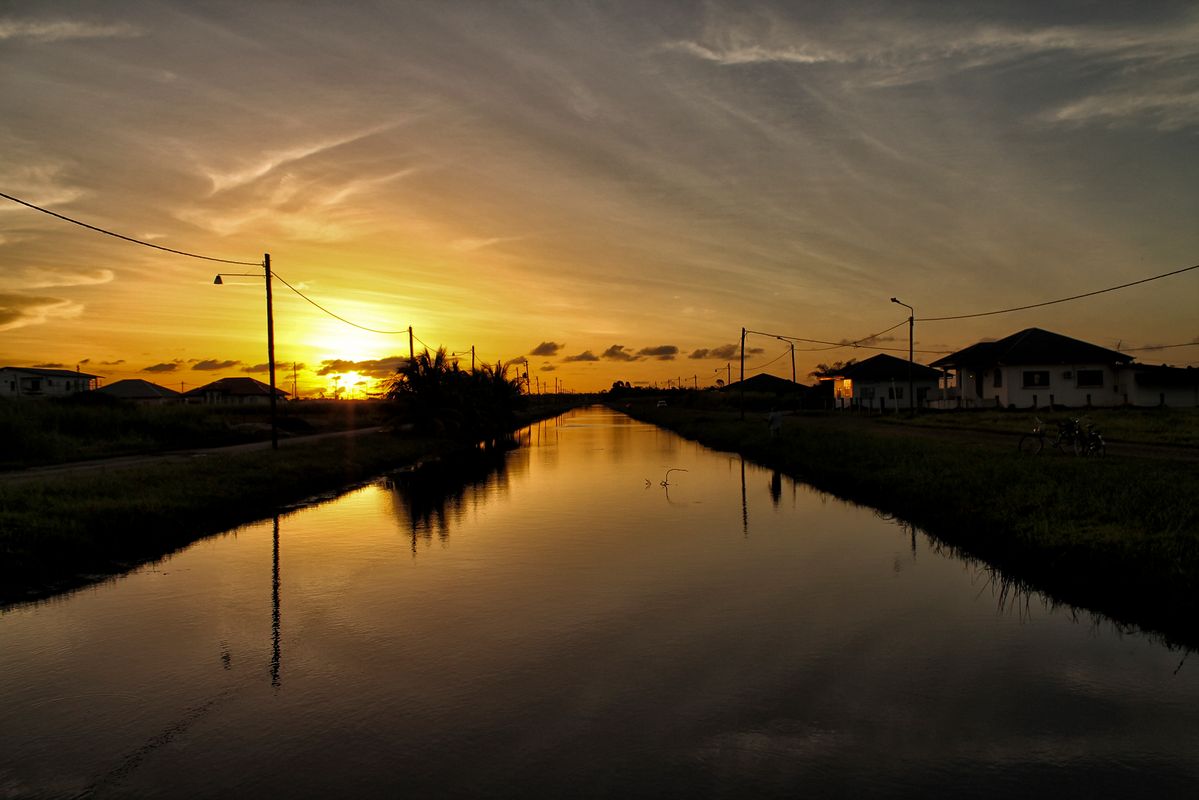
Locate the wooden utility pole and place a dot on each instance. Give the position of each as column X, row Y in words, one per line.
column 411, row 349
column 270, row 351
column 472, row 358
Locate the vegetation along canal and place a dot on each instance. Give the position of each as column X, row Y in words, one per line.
column 606, row 610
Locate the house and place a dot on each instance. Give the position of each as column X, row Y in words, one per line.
column 37, row 382
column 233, row 391
column 881, row 382
column 1035, row 368
column 139, row 391
column 1146, row 385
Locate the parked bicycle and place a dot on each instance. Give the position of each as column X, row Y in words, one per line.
column 1068, row 439
column 1091, row 441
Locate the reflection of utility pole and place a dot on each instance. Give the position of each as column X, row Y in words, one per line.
column 275, row 650
column 744, row 504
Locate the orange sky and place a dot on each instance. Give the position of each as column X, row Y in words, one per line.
column 618, row 189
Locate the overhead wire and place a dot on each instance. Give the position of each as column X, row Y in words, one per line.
column 330, row 313
column 107, row 232
column 1061, row 300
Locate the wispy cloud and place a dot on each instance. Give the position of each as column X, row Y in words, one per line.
column 64, row 30
column 20, row 310
column 586, row 355
column 164, row 366
column 723, row 352
column 49, row 277
column 374, row 368
column 266, row 367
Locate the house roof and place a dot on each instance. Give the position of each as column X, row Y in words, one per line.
column 883, row 367
column 138, row 389
column 768, row 383
column 235, row 387
column 51, row 373
column 1032, row 346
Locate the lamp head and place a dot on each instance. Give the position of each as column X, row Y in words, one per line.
column 894, row 299
column 217, row 280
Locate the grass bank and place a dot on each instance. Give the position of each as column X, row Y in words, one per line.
column 1117, row 535
column 71, row 529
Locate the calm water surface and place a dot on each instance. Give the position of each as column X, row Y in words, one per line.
column 564, row 625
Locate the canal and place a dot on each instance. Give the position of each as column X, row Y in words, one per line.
column 607, row 610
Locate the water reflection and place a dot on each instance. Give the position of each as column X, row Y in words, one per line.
column 276, row 653
column 430, row 498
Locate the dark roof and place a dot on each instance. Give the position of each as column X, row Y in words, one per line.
column 53, row 373
column 236, row 387
column 137, row 389
column 883, row 367
column 1032, row 346
column 768, row 383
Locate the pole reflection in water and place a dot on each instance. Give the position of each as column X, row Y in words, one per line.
column 275, row 650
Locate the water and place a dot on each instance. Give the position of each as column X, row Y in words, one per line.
column 565, row 625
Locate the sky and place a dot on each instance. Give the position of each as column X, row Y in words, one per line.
column 611, row 191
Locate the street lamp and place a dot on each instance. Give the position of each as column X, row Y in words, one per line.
column 911, row 338
column 270, row 338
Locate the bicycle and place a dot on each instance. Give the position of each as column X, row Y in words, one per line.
column 1069, row 438
column 1091, row 441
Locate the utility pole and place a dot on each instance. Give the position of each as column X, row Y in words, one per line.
column 911, row 339
column 411, row 350
column 270, row 348
column 695, row 382
column 472, row 358
column 743, row 373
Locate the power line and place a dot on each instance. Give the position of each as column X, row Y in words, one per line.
column 128, row 238
column 1157, row 347
column 854, row 343
column 768, row 363
column 1062, row 300
column 330, row 313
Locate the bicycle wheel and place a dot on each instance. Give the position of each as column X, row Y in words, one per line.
column 1030, row 445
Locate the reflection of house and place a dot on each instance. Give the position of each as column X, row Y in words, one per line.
column 139, row 391
column 233, row 391
column 881, row 381
column 1036, row 368
column 37, row 382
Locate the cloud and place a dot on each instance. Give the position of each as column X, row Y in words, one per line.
column 663, row 352
column 548, row 368
column 49, row 366
column 546, row 349
column 19, row 310
column 63, row 30
column 754, row 351
column 211, row 364
column 374, row 368
column 723, row 352
column 166, row 366
column 586, row 355
column 265, row 367
column 47, row 278
column 118, row 362
column 617, row 352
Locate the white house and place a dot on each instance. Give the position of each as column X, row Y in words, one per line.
column 1035, row 368
column 881, row 382
column 38, row 382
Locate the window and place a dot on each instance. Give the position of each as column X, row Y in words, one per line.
column 1036, row 378
column 997, row 379
column 1090, row 377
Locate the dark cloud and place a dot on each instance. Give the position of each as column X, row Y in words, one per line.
column 546, row 349
column 617, row 353
column 724, row 352
column 118, row 362
column 374, row 368
column 265, row 367
column 49, row 366
column 210, row 364
column 166, row 366
column 663, row 352
column 586, row 355
column 754, row 351
column 85, row 361
column 548, row 368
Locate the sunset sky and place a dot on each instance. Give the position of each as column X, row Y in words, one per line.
column 610, row 189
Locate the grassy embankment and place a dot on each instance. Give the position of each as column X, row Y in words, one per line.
column 73, row 528
column 1118, row 535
